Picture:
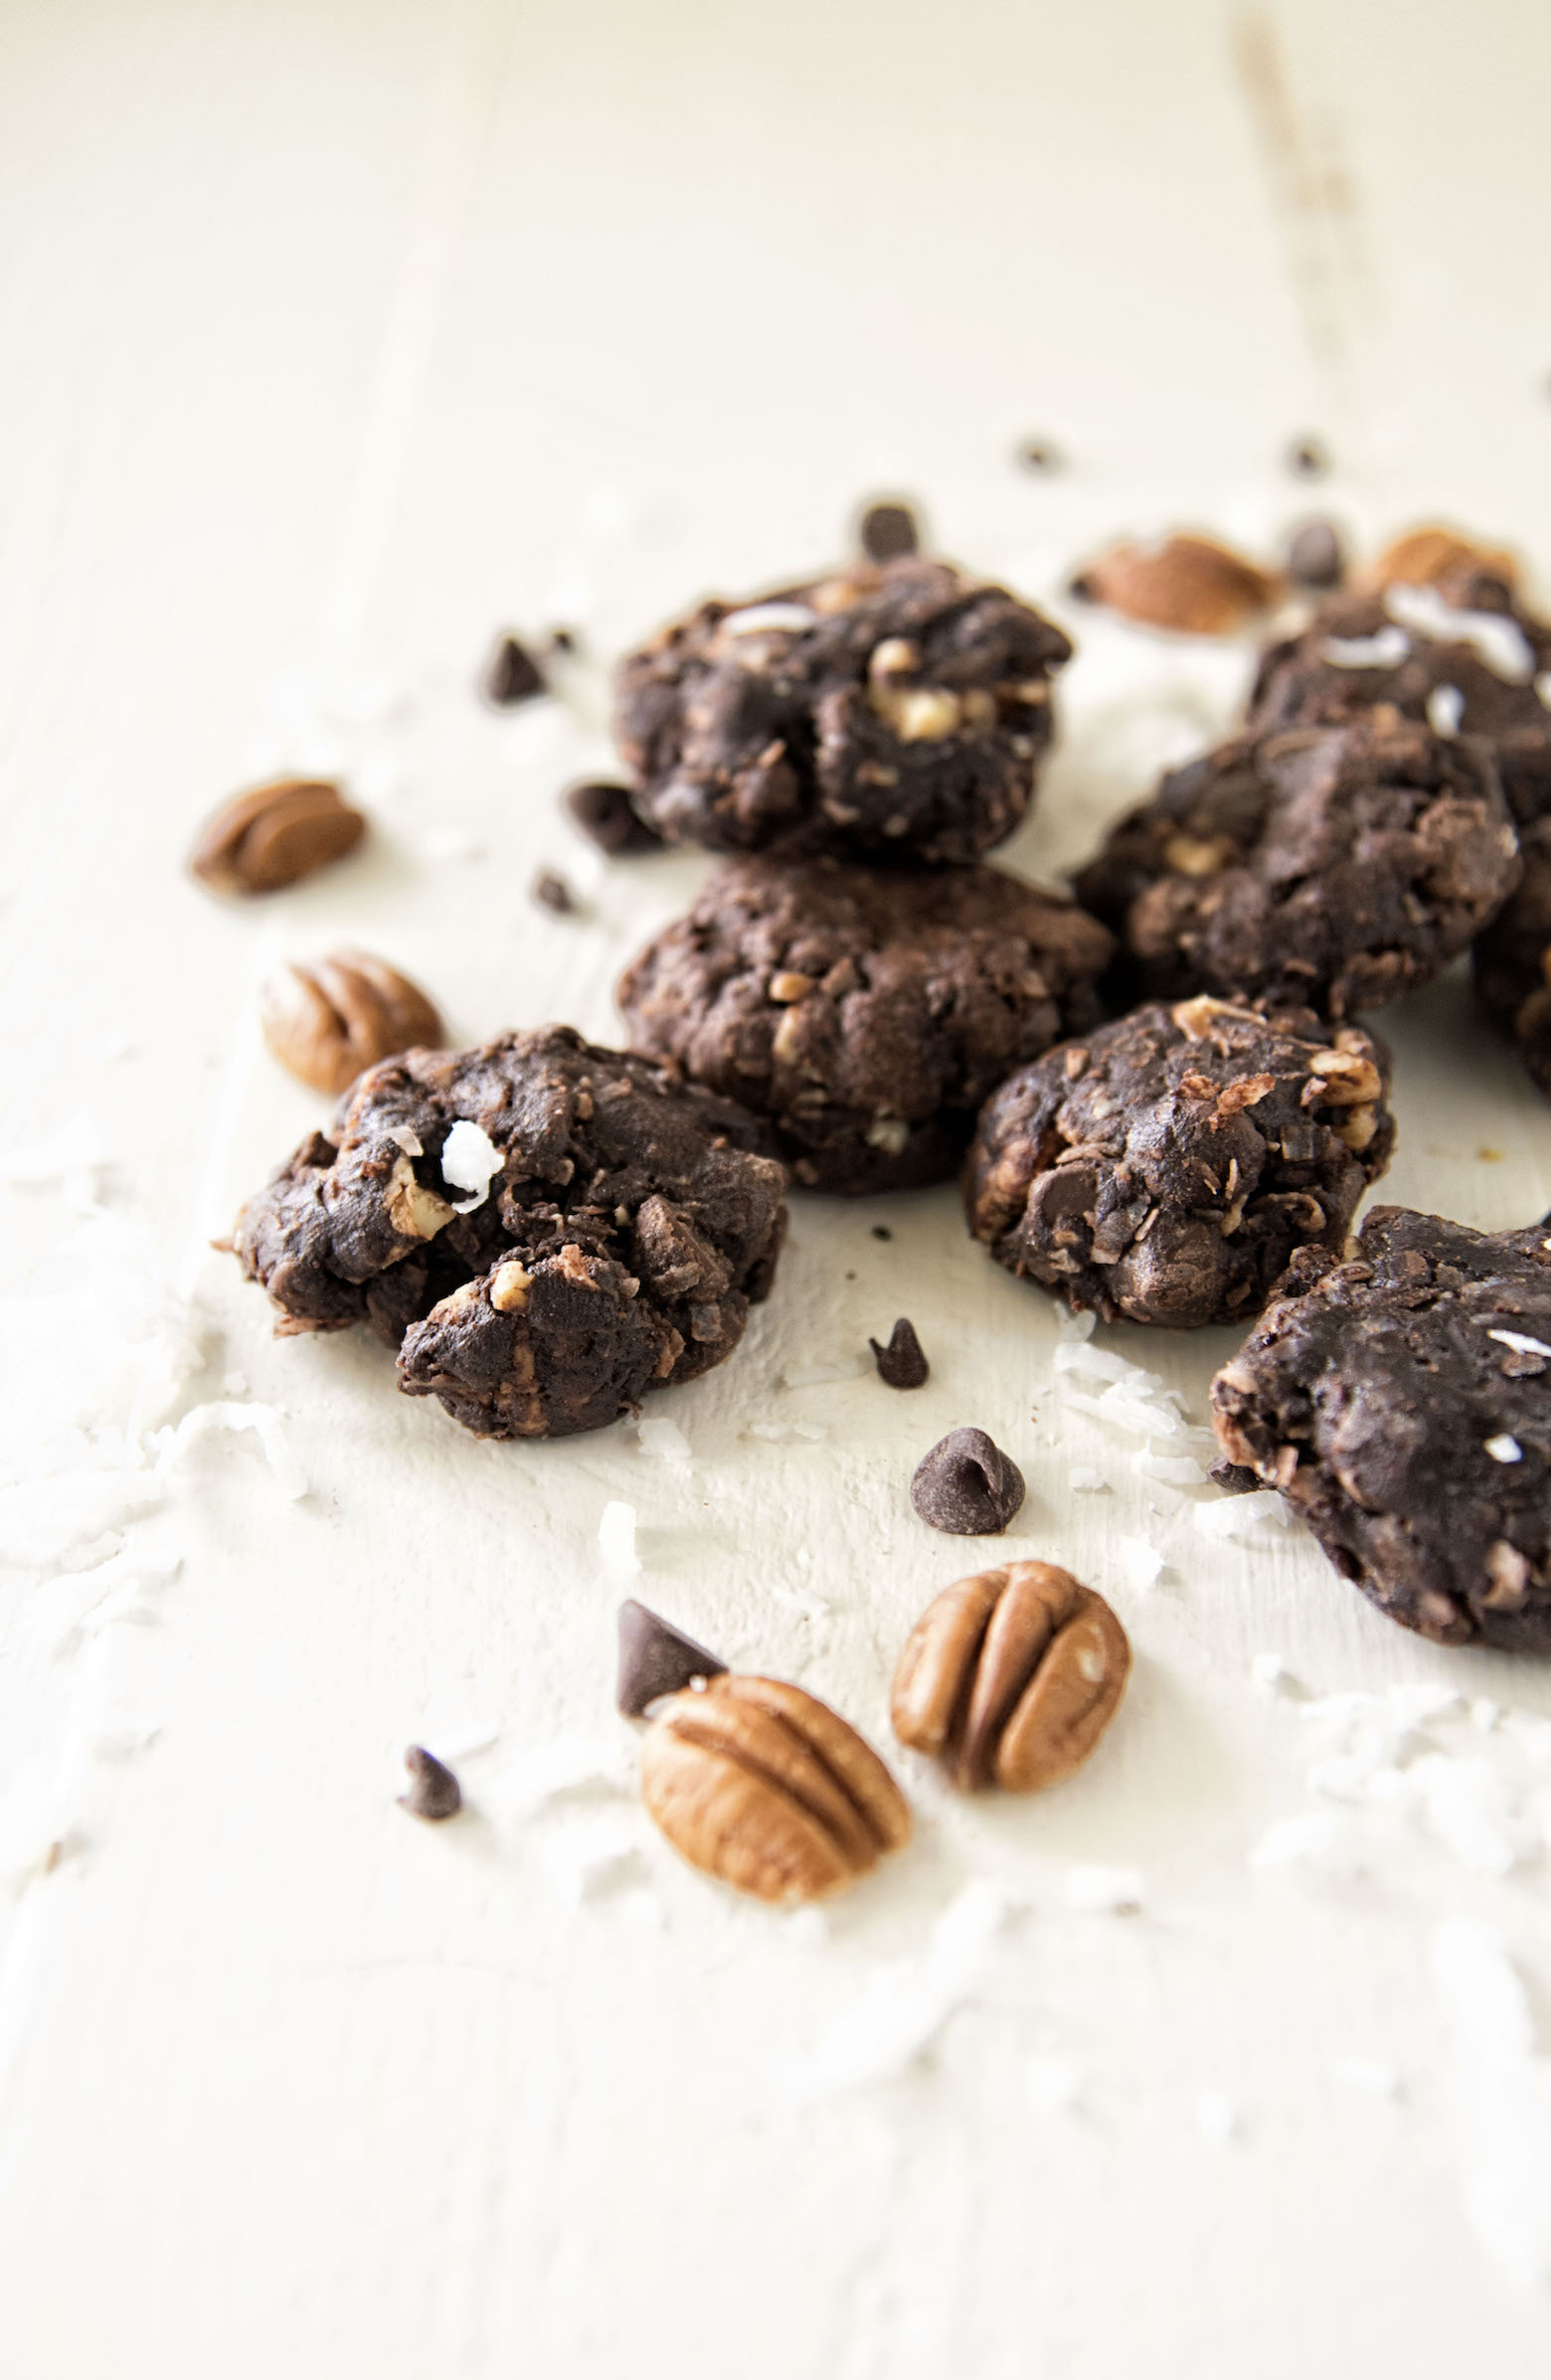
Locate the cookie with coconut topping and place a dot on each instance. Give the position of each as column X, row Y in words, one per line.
column 1333, row 868
column 1463, row 657
column 545, row 1229
column 1165, row 1168
column 866, row 1012
column 1401, row 1402
column 894, row 713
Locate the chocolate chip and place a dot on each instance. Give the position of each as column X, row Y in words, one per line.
column 511, row 674
column 551, row 891
column 604, row 813
column 656, row 1659
column 1234, row 1478
column 901, row 1364
column 1308, row 458
column 434, row 1793
column 1317, row 554
column 1081, row 588
column 563, row 640
column 881, row 1231
column 966, row 1485
column 887, row 531
column 1039, row 454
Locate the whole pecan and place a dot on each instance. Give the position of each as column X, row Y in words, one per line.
column 329, row 1020
column 1191, row 583
column 274, row 835
column 760, row 1784
column 1011, row 1677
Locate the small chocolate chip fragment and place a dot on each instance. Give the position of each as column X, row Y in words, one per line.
column 657, row 1658
column 563, row 640
column 434, row 1793
column 902, row 1364
column 1308, row 458
column 966, row 1485
column 1317, row 554
column 511, row 675
column 1234, row 1478
column 888, row 531
column 606, row 814
column 551, row 891
column 1040, row 454
column 274, row 835
column 881, row 1231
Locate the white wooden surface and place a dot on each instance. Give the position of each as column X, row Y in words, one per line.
column 333, row 336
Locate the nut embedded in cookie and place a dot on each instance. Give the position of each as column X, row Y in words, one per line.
column 1165, row 1168
column 866, row 1012
column 615, row 1227
column 896, row 712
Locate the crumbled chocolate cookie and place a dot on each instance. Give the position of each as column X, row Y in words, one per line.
column 866, row 1011
column 1462, row 656
column 1512, row 957
column 617, row 1227
column 1165, row 1168
column 1402, row 1404
column 1333, row 868
column 896, row 712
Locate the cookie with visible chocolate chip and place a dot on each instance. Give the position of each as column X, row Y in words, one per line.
column 544, row 1229
column 1462, row 657
column 1165, row 1168
column 894, row 711
column 1401, row 1402
column 1333, row 868
column 866, row 1012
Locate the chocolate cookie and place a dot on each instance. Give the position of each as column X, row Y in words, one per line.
column 1512, row 957
column 615, row 1229
column 1402, row 1404
column 897, row 711
column 1462, row 657
column 1165, row 1168
column 1327, row 867
column 866, row 1012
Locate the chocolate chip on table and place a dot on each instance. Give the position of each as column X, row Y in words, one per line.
column 511, row 675
column 887, row 531
column 434, row 1793
column 1317, row 554
column 901, row 1364
column 563, row 640
column 1039, row 454
column 551, row 891
column 605, row 813
column 966, row 1487
column 274, row 835
column 1192, row 584
column 764, row 1786
column 328, row 1019
column 1308, row 458
column 1010, row 1679
column 881, row 1231
column 657, row 1658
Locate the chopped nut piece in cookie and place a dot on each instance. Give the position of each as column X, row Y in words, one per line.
column 1011, row 1677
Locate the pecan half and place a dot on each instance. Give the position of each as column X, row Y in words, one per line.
column 1187, row 583
column 1434, row 556
column 766, row 1788
column 274, row 835
column 329, row 1020
column 1011, row 1677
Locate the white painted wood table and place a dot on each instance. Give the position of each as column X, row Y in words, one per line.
column 334, row 336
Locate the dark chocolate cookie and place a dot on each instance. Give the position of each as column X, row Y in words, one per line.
column 866, row 1012
column 616, row 1226
column 1402, row 1404
column 1327, row 867
column 1165, row 1168
column 1512, row 957
column 1462, row 659
column 896, row 713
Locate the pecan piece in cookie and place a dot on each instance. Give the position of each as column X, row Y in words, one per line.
column 897, row 711
column 1402, row 1404
column 1165, row 1168
column 544, row 1229
column 1333, row 868
column 867, row 1012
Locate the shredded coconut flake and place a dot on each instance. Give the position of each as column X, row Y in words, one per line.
column 756, row 618
column 470, row 1161
column 1086, row 1481
column 1503, row 1449
column 1520, row 1343
column 263, row 1419
column 1446, row 710
column 1140, row 1563
column 1236, row 1516
column 1498, row 641
column 617, row 1537
column 664, row 1438
column 1383, row 651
